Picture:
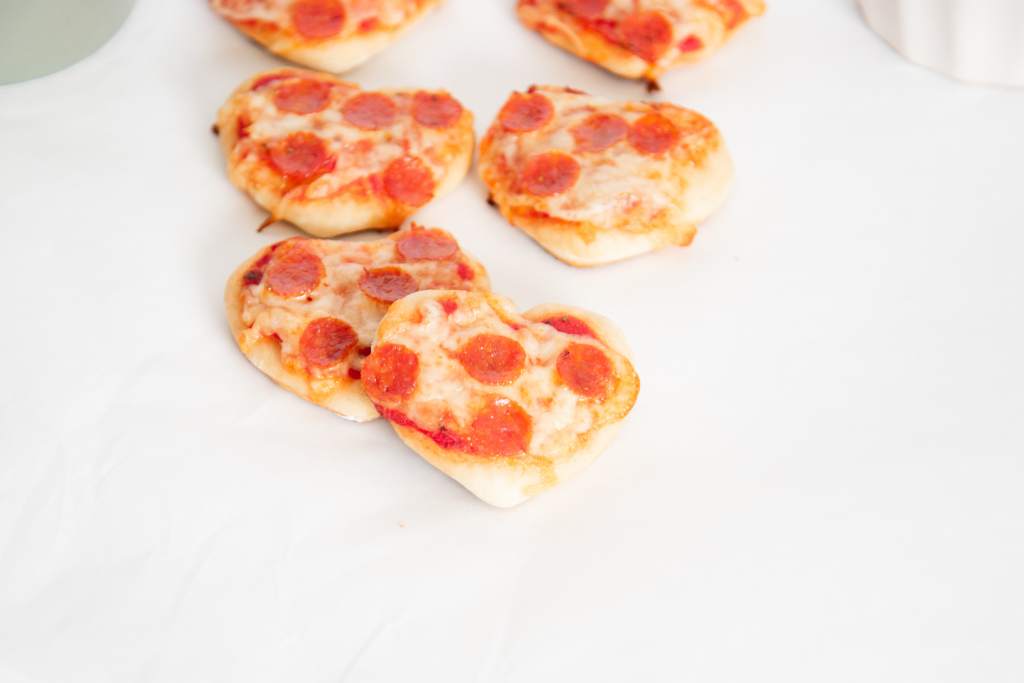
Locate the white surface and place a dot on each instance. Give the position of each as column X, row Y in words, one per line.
column 980, row 41
column 821, row 481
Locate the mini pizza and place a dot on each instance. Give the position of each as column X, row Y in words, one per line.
column 305, row 311
column 508, row 405
column 596, row 181
column 638, row 38
column 332, row 35
column 333, row 158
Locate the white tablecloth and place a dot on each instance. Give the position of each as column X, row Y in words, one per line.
column 822, row 479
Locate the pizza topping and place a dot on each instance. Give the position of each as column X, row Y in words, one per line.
column 390, row 373
column 585, row 9
column 327, row 342
column 427, row 245
column 268, row 79
column 435, row 110
column 354, row 374
column 492, row 358
column 318, row 19
column 501, row 428
column 550, row 173
column 571, row 325
column 294, row 271
column 585, row 369
column 442, row 436
column 242, row 127
column 301, row 156
column 408, row 180
column 691, row 43
column 254, row 275
column 370, row 111
column 464, row 271
column 653, row 134
column 598, row 132
column 387, row 284
column 303, row 97
column 525, row 113
column 646, row 34
column 449, row 306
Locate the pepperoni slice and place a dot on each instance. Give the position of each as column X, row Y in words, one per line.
column 294, row 271
column 691, row 43
column 646, row 34
column 653, row 134
column 427, row 244
column 326, row 342
column 571, row 325
column 598, row 132
column 390, row 373
column 303, row 97
column 301, row 156
column 501, row 428
column 435, row 110
column 550, row 173
column 318, row 19
column 585, row 9
column 585, row 369
column 409, row 181
column 492, row 358
column 524, row 113
column 370, row 111
column 387, row 284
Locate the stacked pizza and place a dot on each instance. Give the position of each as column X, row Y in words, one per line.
column 406, row 327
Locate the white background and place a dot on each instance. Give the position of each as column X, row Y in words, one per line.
column 823, row 479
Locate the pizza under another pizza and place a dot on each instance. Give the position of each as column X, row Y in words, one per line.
column 332, row 35
column 595, row 181
column 332, row 158
column 506, row 404
column 305, row 311
column 638, row 38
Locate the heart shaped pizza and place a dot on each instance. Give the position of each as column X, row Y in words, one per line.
column 333, row 35
column 508, row 405
column 638, row 38
column 595, row 181
column 333, row 158
column 305, row 311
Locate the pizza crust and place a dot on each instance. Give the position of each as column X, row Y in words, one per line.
column 348, row 400
column 507, row 482
column 349, row 210
column 561, row 29
column 339, row 54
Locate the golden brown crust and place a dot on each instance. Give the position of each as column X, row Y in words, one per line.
column 355, row 207
column 508, row 481
column 698, row 181
column 336, row 55
column 707, row 19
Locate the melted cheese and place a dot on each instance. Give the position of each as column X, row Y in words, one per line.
column 387, row 13
column 360, row 153
column 618, row 188
column 265, row 314
column 559, row 415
